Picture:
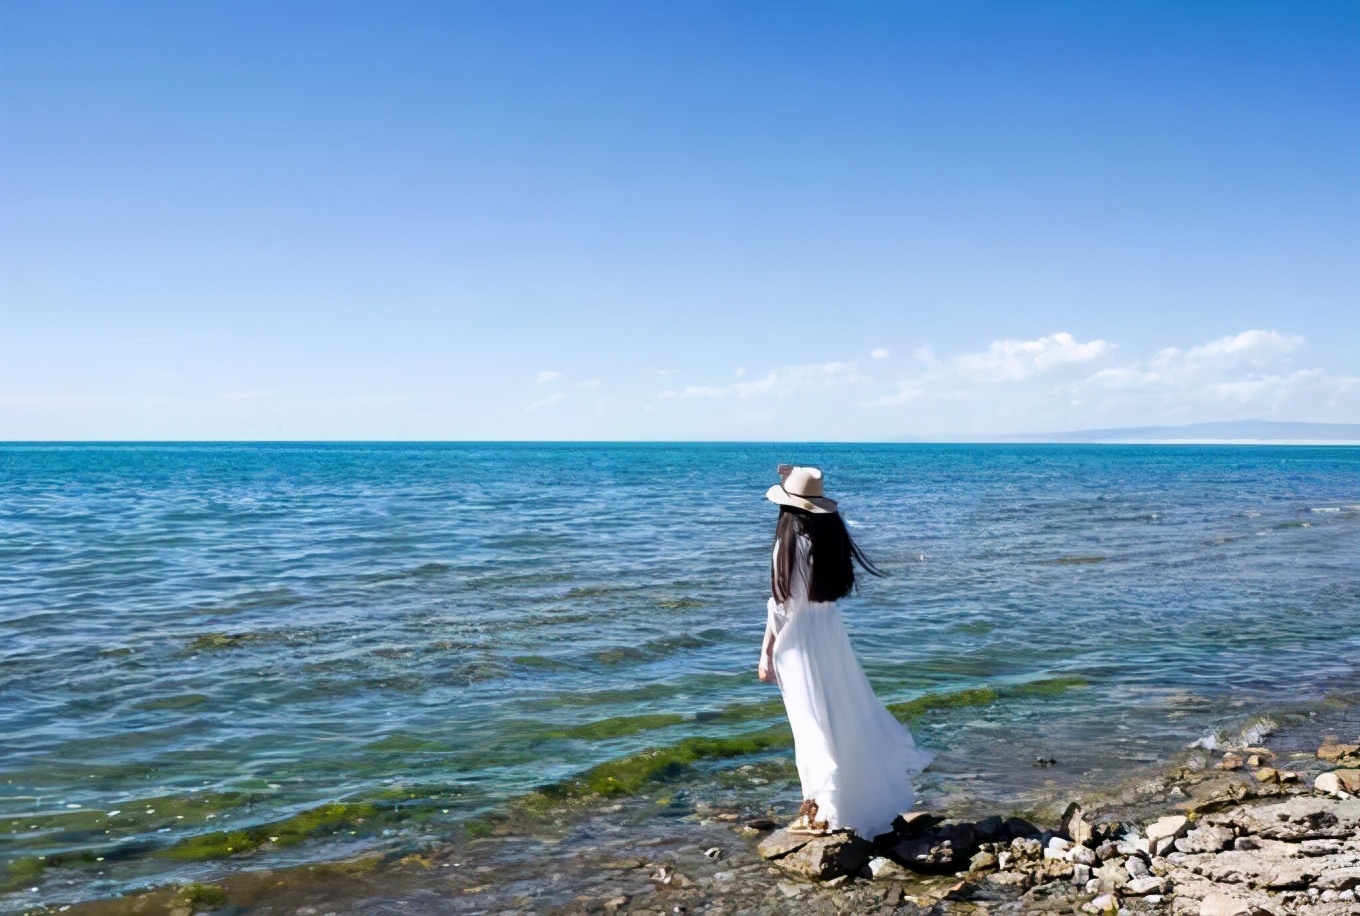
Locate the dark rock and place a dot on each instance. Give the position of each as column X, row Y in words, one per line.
column 942, row 848
column 1018, row 826
column 991, row 830
column 912, row 823
column 826, row 857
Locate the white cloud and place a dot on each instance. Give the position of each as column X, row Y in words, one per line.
column 694, row 391
column 779, row 382
column 548, row 375
column 1012, row 360
column 924, row 354
column 589, row 383
column 553, row 398
column 879, row 353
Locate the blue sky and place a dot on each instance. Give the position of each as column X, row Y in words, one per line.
column 679, row 220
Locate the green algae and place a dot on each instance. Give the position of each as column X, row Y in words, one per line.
column 1043, row 688
column 630, row 774
column 674, row 604
column 208, row 642
column 290, row 831
column 200, row 896
column 184, row 701
column 22, row 871
column 914, row 709
column 135, row 815
column 1079, row 561
column 618, row 727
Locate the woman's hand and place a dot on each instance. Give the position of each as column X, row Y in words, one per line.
column 765, row 670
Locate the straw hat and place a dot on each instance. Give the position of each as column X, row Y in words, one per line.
column 802, row 489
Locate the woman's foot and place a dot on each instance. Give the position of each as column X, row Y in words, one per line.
column 805, row 821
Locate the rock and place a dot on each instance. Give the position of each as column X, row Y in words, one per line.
column 1266, row 774
column 1230, row 761
column 713, row 852
column 781, row 843
column 1340, row 879
column 788, row 890
column 882, row 869
column 1209, row 838
column 1093, row 886
column 1333, row 751
column 1264, row 868
column 1328, row 782
column 1105, row 903
column 1141, row 887
column 1081, row 874
column 762, row 823
column 1015, row 879
column 825, row 857
column 615, row 903
column 1112, row 875
column 1173, row 826
column 910, row 823
column 991, row 830
column 942, row 848
column 1019, row 827
column 983, row 861
column 1083, row 855
column 1218, row 903
column 1026, row 849
column 838, row 881
column 1136, row 867
column 1301, row 818
column 1107, row 850
column 1058, row 845
column 1320, row 847
column 1075, row 826
column 1164, row 846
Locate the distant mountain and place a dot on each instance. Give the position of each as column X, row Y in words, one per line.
column 1228, row 431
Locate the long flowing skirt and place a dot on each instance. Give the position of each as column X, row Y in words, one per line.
column 854, row 758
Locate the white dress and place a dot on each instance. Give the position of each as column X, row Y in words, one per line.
column 854, row 758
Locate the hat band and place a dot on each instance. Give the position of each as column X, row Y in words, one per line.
column 799, row 495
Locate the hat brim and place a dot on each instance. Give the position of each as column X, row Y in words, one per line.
column 818, row 504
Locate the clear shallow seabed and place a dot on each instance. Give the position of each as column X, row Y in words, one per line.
column 203, row 639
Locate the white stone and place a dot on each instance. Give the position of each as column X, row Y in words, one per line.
column 1081, row 874
column 1136, row 867
column 1141, row 887
column 1171, row 826
column 1082, row 855
column 1093, row 886
column 1058, row 844
column 1328, row 782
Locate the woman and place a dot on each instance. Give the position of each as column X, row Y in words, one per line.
column 855, row 760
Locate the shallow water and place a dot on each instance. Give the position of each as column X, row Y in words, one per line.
column 231, row 635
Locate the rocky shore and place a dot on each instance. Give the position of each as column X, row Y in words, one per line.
column 1245, row 838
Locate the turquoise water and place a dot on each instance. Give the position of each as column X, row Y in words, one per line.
column 234, row 634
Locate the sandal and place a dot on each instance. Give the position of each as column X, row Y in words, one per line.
column 805, row 821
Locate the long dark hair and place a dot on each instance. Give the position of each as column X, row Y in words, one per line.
column 834, row 555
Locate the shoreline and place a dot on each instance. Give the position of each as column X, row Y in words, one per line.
column 692, row 838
